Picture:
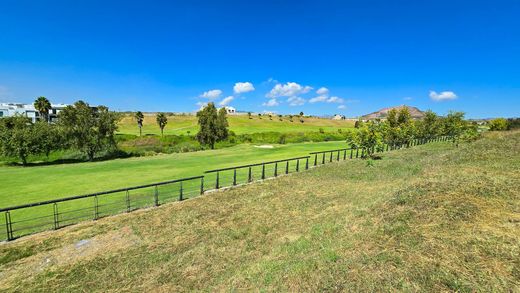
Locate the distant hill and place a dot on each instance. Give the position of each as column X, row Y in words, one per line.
column 381, row 114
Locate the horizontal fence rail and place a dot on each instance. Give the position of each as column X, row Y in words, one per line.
column 232, row 176
column 54, row 214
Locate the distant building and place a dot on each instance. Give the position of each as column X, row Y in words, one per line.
column 338, row 117
column 229, row 109
column 28, row 110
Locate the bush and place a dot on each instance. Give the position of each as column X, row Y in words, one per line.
column 498, row 124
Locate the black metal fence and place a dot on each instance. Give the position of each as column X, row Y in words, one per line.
column 54, row 214
column 233, row 176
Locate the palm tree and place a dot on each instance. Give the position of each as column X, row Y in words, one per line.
column 301, row 117
column 270, row 116
column 139, row 117
column 259, row 116
column 162, row 120
column 280, row 117
column 43, row 106
column 249, row 115
column 290, row 118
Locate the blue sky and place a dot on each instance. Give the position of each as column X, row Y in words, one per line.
column 363, row 55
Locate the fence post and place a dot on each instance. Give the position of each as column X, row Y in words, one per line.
column 307, row 163
column 217, row 183
column 249, row 175
column 315, row 159
column 351, row 152
column 287, row 167
column 357, row 152
column 201, row 185
column 363, row 152
column 235, row 176
column 344, row 155
column 337, row 159
column 128, row 201
column 298, row 165
column 156, row 196
column 180, row 191
column 263, row 171
column 96, row 210
column 8, row 226
column 276, row 169
column 323, row 159
column 331, row 156
column 55, row 212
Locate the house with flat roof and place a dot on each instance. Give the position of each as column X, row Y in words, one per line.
column 28, row 110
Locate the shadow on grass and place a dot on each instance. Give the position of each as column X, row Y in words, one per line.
column 119, row 154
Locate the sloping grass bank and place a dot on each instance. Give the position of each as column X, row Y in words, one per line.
column 431, row 218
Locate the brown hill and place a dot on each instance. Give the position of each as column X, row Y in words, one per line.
column 381, row 114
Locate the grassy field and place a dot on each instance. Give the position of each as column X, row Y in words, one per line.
column 240, row 124
column 431, row 218
column 19, row 185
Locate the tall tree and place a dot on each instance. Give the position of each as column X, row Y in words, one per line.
column 88, row 129
column 222, row 124
column 139, row 117
column 19, row 138
column 249, row 115
column 43, row 106
column 208, row 125
column 391, row 118
column 162, row 120
column 403, row 116
column 290, row 118
column 301, row 117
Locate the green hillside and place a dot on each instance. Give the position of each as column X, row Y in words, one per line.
column 432, row 218
column 240, row 124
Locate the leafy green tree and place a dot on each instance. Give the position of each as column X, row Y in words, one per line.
column 454, row 125
column 208, row 125
column 139, row 117
column 391, row 118
column 49, row 136
column 368, row 137
column 259, row 116
column 249, row 115
column 498, row 124
column 270, row 116
column 403, row 116
column 87, row 129
column 429, row 126
column 19, row 138
column 280, row 117
column 222, row 124
column 43, row 106
column 162, row 120
column 290, row 118
column 301, row 117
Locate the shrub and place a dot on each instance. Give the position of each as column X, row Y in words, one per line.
column 498, row 124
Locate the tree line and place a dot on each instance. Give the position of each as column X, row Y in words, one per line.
column 87, row 129
column 399, row 129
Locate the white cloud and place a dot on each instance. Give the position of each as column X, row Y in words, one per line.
column 318, row 99
column 212, row 94
column 271, row 103
column 243, row 87
column 289, row 89
column 226, row 101
column 295, row 101
column 443, row 96
column 341, row 107
column 326, row 99
column 322, row 91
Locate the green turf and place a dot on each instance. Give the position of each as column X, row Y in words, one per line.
column 19, row 185
column 240, row 124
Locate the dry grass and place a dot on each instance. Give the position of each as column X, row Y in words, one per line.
column 433, row 218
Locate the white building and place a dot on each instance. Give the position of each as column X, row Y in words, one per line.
column 229, row 110
column 338, row 117
column 28, row 110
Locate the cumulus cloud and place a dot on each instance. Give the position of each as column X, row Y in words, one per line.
column 326, row 99
column 271, row 103
column 322, row 91
column 226, row 101
column 243, row 87
column 212, row 94
column 342, row 107
column 443, row 96
column 295, row 101
column 290, row 89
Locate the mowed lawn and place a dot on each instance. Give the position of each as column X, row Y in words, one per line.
column 20, row 185
column 433, row 218
column 240, row 124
